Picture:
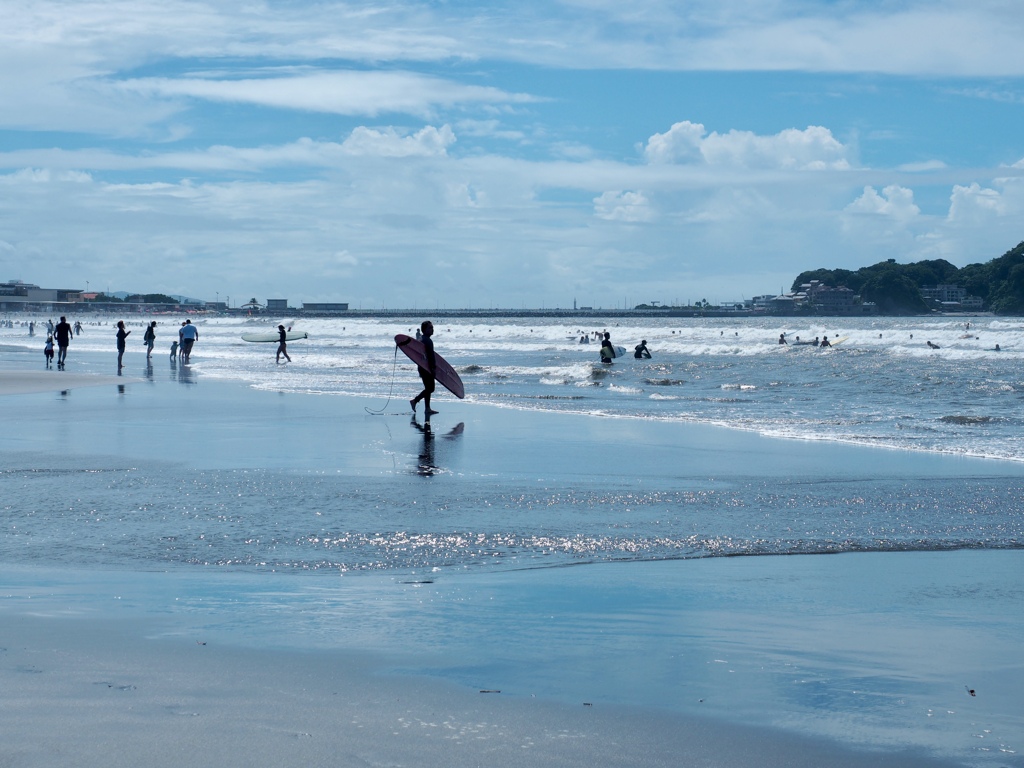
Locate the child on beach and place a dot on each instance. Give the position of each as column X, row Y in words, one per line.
column 174, row 349
column 48, row 351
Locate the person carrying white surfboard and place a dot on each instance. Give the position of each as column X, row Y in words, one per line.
column 607, row 350
column 428, row 376
column 282, row 348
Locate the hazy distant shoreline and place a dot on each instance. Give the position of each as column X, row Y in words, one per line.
column 77, row 309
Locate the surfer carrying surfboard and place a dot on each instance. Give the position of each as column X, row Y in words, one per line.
column 607, row 350
column 282, row 348
column 428, row 374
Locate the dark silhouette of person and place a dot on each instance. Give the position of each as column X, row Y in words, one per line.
column 641, row 352
column 607, row 350
column 62, row 333
column 282, row 347
column 122, row 336
column 429, row 375
column 150, row 338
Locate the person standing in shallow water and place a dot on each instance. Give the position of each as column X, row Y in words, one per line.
column 189, row 336
column 150, row 338
column 282, row 346
column 428, row 376
column 122, row 337
column 62, row 333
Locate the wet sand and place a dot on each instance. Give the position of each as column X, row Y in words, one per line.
column 787, row 661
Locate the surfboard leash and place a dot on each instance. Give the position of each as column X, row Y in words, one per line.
column 391, row 390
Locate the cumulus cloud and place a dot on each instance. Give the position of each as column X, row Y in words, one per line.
column 626, row 206
column 975, row 204
column 342, row 93
column 895, row 202
column 389, row 142
column 813, row 148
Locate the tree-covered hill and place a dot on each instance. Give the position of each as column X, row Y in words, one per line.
column 895, row 288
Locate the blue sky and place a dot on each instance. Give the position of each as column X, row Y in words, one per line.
column 452, row 154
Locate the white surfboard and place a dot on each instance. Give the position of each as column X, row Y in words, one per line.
column 619, row 352
column 275, row 336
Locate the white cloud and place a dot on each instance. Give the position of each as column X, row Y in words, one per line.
column 813, row 148
column 342, row 93
column 975, row 204
column 895, row 202
column 388, row 142
column 625, row 206
column 429, row 141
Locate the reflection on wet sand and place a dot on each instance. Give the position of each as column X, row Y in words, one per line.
column 427, row 465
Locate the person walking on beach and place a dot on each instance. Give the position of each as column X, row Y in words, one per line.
column 150, row 338
column 189, row 336
column 48, row 351
column 282, row 347
column 428, row 376
column 122, row 337
column 63, row 335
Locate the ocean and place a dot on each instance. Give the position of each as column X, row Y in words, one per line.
column 883, row 386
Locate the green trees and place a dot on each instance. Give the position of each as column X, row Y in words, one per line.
column 1000, row 282
column 893, row 293
column 895, row 288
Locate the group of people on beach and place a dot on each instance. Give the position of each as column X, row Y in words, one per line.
column 61, row 334
column 188, row 335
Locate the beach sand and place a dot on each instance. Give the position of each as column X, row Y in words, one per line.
column 849, row 660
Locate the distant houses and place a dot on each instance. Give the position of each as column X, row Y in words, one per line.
column 16, row 296
column 951, row 298
column 813, row 297
column 817, row 298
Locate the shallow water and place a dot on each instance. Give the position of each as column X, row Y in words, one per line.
column 881, row 386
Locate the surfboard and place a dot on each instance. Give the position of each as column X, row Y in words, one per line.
column 275, row 336
column 619, row 352
column 443, row 371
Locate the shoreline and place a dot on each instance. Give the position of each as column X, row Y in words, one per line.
column 739, row 661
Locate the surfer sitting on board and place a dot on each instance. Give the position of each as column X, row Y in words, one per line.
column 427, row 330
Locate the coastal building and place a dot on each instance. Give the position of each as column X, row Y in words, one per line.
column 277, row 305
column 951, row 298
column 324, row 307
column 16, row 296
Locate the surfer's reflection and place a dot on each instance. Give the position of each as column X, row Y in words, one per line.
column 426, row 465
